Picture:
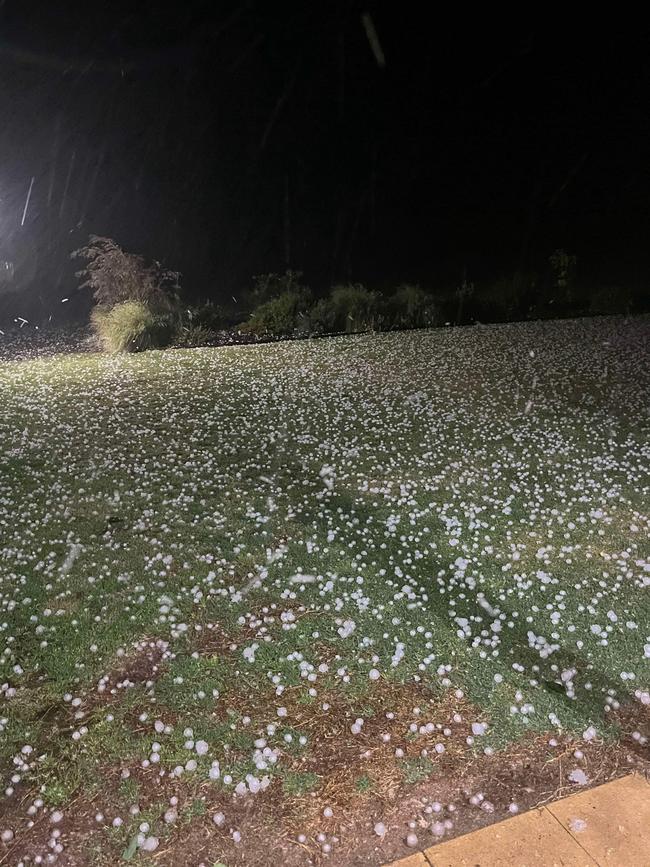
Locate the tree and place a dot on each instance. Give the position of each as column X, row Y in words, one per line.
column 116, row 276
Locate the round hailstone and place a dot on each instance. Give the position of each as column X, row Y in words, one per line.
column 578, row 825
column 56, row 817
column 236, row 836
column 7, row 835
column 328, row 812
column 438, row 829
column 380, row 829
column 201, row 748
column 150, row 844
column 374, row 674
column 170, row 817
column 218, row 819
column 513, row 808
column 412, row 840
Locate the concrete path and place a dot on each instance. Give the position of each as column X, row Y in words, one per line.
column 608, row 825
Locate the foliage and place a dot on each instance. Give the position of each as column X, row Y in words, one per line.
column 563, row 270
column 281, row 316
column 116, row 276
column 463, row 292
column 131, row 327
column 207, row 315
column 266, row 287
column 411, row 307
column 356, row 307
column 506, row 297
column 189, row 335
column 322, row 316
column 611, row 299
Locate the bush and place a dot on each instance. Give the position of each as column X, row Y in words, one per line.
column 115, row 276
column 191, row 336
column 208, row 315
column 356, row 307
column 267, row 287
column 612, row 299
column 131, row 327
column 411, row 307
column 282, row 316
column 322, row 316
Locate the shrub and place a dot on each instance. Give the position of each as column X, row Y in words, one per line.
column 281, row 316
column 207, row 315
column 411, row 307
column 506, row 297
column 356, row 307
column 131, row 327
column 612, row 299
column 115, row 276
column 322, row 316
column 190, row 336
column 266, row 287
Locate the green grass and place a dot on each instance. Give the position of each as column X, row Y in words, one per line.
column 448, row 492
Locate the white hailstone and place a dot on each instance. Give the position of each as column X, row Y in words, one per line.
column 191, row 765
column 301, row 838
column 241, row 789
column 56, row 817
column 170, row 816
column 412, row 840
column 7, row 835
column 578, row 776
column 281, row 711
column 438, row 829
column 159, row 726
column 513, row 808
column 578, row 754
column 201, row 748
column 577, row 825
column 215, row 771
column 328, row 812
column 374, row 674
column 236, row 837
column 218, row 819
column 150, row 844
column 399, row 753
column 440, row 748
column 326, row 848
column 99, row 817
column 479, row 729
column 380, row 829
column 117, row 821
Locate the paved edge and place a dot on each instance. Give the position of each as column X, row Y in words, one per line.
column 424, row 859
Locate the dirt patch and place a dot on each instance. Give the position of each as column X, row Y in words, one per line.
column 356, row 776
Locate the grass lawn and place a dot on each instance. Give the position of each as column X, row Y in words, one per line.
column 253, row 597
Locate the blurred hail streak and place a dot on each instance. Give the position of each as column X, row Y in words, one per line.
column 29, row 195
column 373, row 39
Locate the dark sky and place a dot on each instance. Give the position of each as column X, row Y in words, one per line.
column 229, row 139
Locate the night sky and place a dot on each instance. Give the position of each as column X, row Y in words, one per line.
column 228, row 139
